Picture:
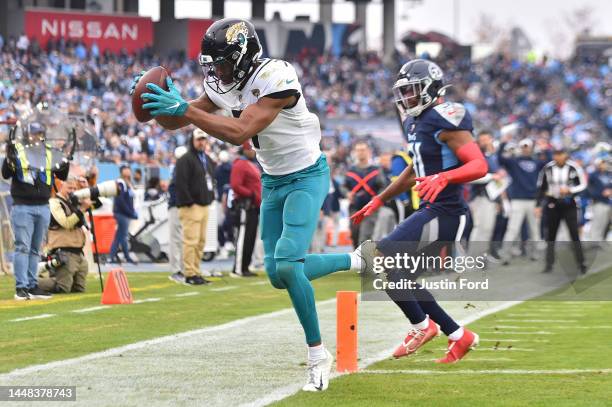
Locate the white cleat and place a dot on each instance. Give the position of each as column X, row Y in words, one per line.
column 366, row 252
column 318, row 373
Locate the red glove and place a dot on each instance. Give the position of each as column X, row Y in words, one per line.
column 367, row 210
column 430, row 186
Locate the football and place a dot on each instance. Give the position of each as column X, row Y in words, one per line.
column 155, row 75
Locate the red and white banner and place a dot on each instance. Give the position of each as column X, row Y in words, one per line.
column 112, row 32
column 196, row 28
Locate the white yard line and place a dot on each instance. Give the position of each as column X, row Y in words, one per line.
column 502, row 340
column 516, row 332
column 189, row 294
column 147, row 300
column 229, row 287
column 569, row 321
column 41, row 316
column 91, row 309
column 489, row 371
column 466, row 359
column 259, row 283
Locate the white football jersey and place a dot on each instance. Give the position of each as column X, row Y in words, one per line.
column 291, row 142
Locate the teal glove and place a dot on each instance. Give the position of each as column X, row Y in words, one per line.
column 135, row 81
column 164, row 103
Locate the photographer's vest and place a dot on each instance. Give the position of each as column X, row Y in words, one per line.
column 28, row 175
column 60, row 237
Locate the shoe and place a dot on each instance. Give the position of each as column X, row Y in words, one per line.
column 249, row 273
column 583, row 269
column 366, row 251
column 547, row 269
column 196, row 280
column 216, row 273
column 318, row 373
column 132, row 261
column 416, row 338
column 458, row 349
column 21, row 294
column 38, row 294
column 177, row 277
column 115, row 260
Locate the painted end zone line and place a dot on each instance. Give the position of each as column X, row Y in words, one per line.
column 100, row 307
column 488, row 371
column 229, row 287
column 147, row 300
column 41, row 316
column 189, row 294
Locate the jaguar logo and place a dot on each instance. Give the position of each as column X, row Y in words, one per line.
column 237, row 33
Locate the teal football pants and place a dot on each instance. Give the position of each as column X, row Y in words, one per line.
column 289, row 216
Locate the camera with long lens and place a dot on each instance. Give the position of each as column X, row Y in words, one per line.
column 52, row 261
column 106, row 189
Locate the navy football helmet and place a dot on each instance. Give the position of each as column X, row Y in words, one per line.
column 229, row 50
column 418, row 85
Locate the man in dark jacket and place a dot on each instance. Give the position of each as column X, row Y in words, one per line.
column 194, row 193
column 245, row 181
column 30, row 190
column 124, row 212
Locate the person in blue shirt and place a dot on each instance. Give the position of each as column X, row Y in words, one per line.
column 124, row 213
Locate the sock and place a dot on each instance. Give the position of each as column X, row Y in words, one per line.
column 319, row 265
column 316, row 352
column 356, row 261
column 423, row 324
column 455, row 336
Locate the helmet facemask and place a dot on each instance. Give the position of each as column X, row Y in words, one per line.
column 411, row 97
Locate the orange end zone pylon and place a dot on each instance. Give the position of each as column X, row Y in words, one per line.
column 346, row 331
column 117, row 289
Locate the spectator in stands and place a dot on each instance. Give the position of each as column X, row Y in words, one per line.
column 245, row 181
column 124, row 213
column 66, row 241
column 30, row 190
column 363, row 181
column 194, row 193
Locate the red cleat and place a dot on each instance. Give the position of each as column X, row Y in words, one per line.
column 458, row 349
column 417, row 338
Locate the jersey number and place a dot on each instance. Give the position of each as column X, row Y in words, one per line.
column 255, row 139
column 417, row 160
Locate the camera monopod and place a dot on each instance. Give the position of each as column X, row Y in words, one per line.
column 95, row 242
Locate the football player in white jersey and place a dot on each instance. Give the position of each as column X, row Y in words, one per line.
column 265, row 99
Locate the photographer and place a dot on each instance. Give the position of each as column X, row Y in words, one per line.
column 30, row 190
column 66, row 241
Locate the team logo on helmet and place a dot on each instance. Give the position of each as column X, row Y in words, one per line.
column 237, row 33
column 435, row 72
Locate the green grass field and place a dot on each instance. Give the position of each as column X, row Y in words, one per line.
column 43, row 340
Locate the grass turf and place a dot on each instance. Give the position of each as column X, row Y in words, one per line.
column 582, row 341
column 70, row 334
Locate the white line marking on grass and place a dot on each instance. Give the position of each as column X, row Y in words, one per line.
column 581, row 327
column 470, row 359
column 517, row 333
column 189, row 294
column 259, row 283
column 538, row 320
column 541, row 314
column 229, row 287
column 506, row 348
column 488, row 371
column 41, row 316
column 501, row 340
column 91, row 309
column 147, row 300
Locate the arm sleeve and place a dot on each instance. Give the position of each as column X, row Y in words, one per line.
column 282, row 80
column 182, row 173
column 57, row 211
column 474, row 165
column 580, row 181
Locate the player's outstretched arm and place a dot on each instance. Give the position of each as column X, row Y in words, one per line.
column 177, row 122
column 401, row 184
column 253, row 119
column 467, row 151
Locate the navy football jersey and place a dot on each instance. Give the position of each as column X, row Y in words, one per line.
column 431, row 156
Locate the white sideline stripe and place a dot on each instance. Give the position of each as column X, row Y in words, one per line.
column 470, row 359
column 581, row 327
column 539, row 320
column 147, row 300
column 541, row 314
column 488, row 371
column 229, row 287
column 513, row 340
column 91, row 309
column 41, row 316
column 518, row 333
column 139, row 345
column 189, row 294
column 287, row 391
column 501, row 348
column 261, row 282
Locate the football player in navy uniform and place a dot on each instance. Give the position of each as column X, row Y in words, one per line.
column 444, row 156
